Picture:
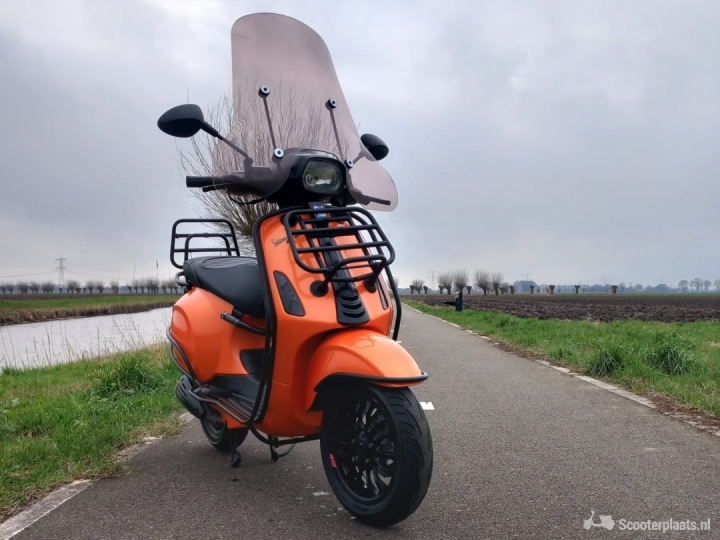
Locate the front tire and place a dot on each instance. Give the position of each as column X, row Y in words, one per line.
column 377, row 453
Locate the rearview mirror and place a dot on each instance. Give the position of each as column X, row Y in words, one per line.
column 182, row 121
column 375, row 145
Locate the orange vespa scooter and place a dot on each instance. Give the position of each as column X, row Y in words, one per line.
column 295, row 345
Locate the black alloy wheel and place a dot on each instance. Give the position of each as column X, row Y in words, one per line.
column 377, row 453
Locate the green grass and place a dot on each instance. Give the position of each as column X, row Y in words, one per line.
column 680, row 360
column 71, row 305
column 66, row 422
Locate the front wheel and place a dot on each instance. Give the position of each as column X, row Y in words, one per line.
column 377, row 453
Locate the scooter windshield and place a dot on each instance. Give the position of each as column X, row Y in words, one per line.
column 286, row 95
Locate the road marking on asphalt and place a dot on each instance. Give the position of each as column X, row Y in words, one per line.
column 43, row 507
column 605, row 386
column 427, row 405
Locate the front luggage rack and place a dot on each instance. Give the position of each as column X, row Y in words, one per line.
column 180, row 242
column 321, row 227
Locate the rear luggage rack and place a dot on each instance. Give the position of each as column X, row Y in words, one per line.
column 180, row 242
column 320, row 228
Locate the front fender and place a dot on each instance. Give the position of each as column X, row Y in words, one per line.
column 349, row 355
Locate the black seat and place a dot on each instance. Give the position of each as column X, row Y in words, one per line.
column 234, row 279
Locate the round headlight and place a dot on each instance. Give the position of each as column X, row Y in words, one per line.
column 322, row 176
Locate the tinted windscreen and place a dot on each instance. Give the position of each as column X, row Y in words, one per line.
column 286, row 95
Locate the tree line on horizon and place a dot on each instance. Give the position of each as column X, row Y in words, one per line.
column 493, row 282
column 149, row 285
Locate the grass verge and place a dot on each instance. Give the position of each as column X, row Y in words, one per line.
column 67, row 422
column 679, row 360
column 16, row 311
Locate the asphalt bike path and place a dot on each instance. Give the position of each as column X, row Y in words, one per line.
column 521, row 451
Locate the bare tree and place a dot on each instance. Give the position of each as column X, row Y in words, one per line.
column 72, row 285
column 445, row 281
column 171, row 286
column 460, row 279
column 577, row 288
column 707, row 283
column 425, row 288
column 504, row 287
column 100, row 284
column 397, row 281
column 115, row 286
column 552, row 289
column 683, row 285
column 482, row 281
column 207, row 157
column 47, row 287
column 23, row 287
column 34, row 287
column 152, row 285
column 717, row 284
column 7, row 287
column 496, row 278
column 512, row 289
column 532, row 289
column 468, row 289
column 416, row 285
column 697, row 283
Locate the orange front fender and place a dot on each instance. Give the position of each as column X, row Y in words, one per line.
column 349, row 355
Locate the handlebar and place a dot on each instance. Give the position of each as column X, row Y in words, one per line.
column 210, row 181
column 201, row 181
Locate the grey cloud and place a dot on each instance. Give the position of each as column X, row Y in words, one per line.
column 564, row 139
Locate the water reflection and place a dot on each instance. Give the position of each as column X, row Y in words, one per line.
column 57, row 342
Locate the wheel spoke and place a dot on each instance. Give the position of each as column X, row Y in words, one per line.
column 364, row 448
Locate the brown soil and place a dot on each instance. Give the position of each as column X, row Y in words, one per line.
column 590, row 307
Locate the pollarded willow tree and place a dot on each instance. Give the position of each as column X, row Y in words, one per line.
column 496, row 278
column 460, row 279
column 416, row 285
column 445, row 281
column 482, row 281
column 697, row 283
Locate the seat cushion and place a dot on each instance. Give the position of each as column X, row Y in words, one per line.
column 234, row 279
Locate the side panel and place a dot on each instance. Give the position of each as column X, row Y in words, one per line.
column 358, row 352
column 212, row 345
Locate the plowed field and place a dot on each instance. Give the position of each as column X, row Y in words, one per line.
column 593, row 307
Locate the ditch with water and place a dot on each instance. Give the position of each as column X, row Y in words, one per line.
column 60, row 341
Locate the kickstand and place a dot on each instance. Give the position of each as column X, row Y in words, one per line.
column 273, row 453
column 235, row 458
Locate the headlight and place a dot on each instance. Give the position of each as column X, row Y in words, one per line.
column 322, row 176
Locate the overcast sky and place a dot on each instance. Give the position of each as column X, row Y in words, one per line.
column 568, row 140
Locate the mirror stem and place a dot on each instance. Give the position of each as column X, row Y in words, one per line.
column 207, row 128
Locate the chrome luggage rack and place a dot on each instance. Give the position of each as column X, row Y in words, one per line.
column 180, row 242
column 316, row 226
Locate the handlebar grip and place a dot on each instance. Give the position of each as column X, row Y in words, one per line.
column 199, row 181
